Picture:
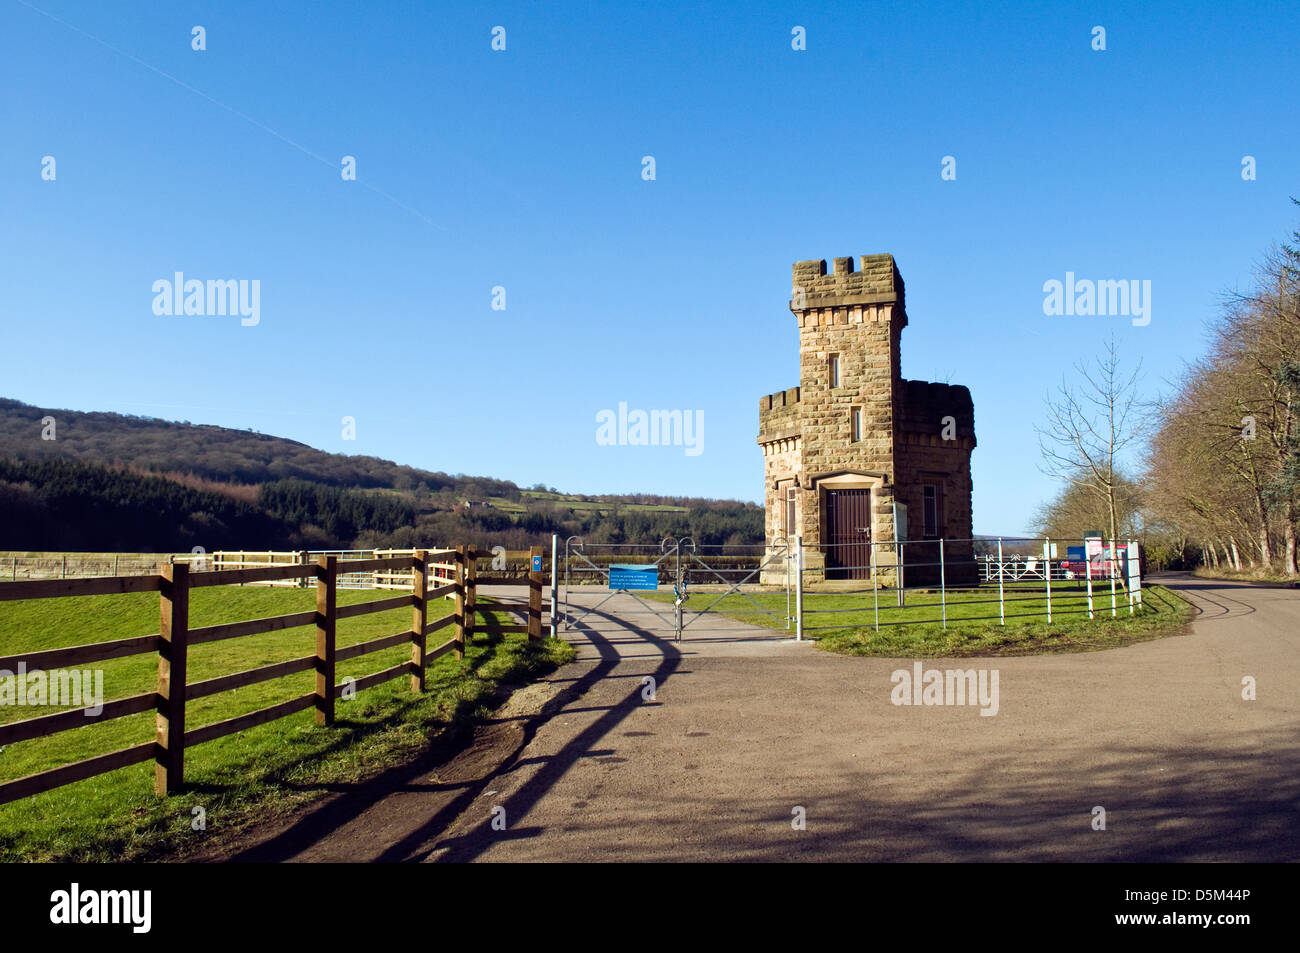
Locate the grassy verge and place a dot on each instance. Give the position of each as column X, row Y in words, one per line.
column 1245, row 575
column 846, row 623
column 263, row 772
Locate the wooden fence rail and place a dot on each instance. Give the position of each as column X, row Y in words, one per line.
column 430, row 573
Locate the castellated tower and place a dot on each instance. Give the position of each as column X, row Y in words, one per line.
column 855, row 446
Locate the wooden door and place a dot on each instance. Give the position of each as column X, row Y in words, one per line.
column 848, row 530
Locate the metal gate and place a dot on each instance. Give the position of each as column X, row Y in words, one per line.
column 591, row 562
column 707, row 575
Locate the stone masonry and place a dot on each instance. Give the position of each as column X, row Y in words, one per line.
column 910, row 434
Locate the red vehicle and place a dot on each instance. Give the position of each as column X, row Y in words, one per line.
column 1096, row 552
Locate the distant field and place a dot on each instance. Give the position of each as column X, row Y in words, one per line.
column 16, row 565
column 572, row 502
column 264, row 770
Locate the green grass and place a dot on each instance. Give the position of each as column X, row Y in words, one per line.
column 973, row 627
column 573, row 503
column 262, row 772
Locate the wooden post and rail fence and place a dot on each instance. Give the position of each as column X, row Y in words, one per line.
column 433, row 575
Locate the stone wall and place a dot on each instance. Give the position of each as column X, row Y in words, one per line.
column 934, row 450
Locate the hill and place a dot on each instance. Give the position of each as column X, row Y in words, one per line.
column 112, row 482
column 218, row 454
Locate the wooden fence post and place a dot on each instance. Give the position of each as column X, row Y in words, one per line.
column 471, row 592
column 327, row 571
column 460, row 601
column 419, row 618
column 173, row 635
column 534, row 595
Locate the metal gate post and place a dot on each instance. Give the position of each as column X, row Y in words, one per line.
column 1002, row 605
column 798, row 588
column 1047, row 561
column 567, row 594
column 901, row 557
column 678, row 593
column 789, row 558
column 555, row 551
column 875, row 587
column 1087, row 564
column 1113, row 604
column 943, row 589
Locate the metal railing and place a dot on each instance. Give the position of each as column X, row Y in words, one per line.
column 1032, row 578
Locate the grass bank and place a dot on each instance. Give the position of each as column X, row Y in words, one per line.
column 1246, row 575
column 847, row 623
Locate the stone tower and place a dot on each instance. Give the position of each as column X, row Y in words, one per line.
column 854, row 438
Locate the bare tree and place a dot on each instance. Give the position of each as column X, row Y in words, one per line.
column 1077, row 508
column 1224, row 465
column 1090, row 425
column 1205, row 462
column 1261, row 339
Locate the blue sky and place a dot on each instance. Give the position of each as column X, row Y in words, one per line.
column 522, row 169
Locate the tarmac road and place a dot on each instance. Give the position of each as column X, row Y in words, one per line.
column 748, row 731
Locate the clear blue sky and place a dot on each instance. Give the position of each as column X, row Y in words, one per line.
column 522, row 169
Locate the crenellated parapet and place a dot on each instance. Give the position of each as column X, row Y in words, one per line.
column 936, row 412
column 872, row 292
column 778, row 415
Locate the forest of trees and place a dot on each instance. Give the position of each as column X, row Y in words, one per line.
column 1224, row 466
column 64, row 505
column 1220, row 481
column 708, row 522
column 340, row 514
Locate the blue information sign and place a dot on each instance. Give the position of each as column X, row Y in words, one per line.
column 625, row 576
column 537, row 564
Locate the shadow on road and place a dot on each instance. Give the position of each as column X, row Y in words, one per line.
column 354, row 800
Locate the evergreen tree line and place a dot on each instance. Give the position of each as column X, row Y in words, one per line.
column 53, row 505
column 61, row 504
column 341, row 514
